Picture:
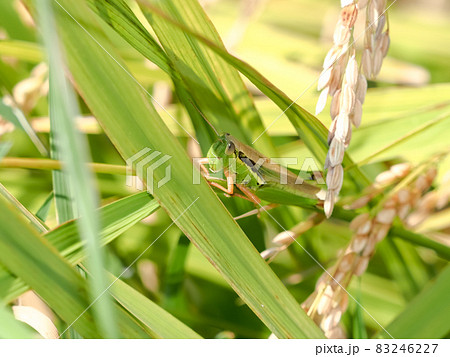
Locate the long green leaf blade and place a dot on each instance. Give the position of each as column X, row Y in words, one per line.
column 310, row 130
column 434, row 321
column 11, row 328
column 30, row 257
column 216, row 86
column 153, row 316
column 80, row 182
column 133, row 125
column 116, row 218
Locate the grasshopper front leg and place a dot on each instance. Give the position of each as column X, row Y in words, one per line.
column 230, row 184
column 229, row 190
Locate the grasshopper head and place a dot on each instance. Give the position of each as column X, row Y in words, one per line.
column 220, row 150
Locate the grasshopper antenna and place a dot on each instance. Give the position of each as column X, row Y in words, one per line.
column 193, row 104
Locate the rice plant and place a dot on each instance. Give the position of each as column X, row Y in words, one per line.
column 121, row 215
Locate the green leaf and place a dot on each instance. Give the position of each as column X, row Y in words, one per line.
column 118, row 15
column 150, row 314
column 425, row 308
column 78, row 183
column 133, row 125
column 25, row 51
column 398, row 267
column 215, row 85
column 12, row 328
column 116, row 218
column 16, row 116
column 4, row 148
column 359, row 330
column 415, row 238
column 30, row 257
column 12, row 23
column 308, row 127
column 175, row 274
column 35, row 222
column 42, row 212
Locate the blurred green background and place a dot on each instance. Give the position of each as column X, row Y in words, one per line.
column 286, row 40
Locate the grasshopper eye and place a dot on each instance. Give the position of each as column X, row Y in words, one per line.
column 230, row 148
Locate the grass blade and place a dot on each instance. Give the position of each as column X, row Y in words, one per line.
column 146, row 311
column 51, row 277
column 46, row 272
column 119, row 16
column 214, row 86
column 16, row 116
column 73, row 152
column 12, row 328
column 116, row 218
column 308, row 127
column 424, row 308
column 131, row 123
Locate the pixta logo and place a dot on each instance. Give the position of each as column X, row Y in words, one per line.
column 145, row 160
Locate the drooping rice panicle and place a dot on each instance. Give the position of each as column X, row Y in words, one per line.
column 329, row 300
column 345, row 81
column 284, row 239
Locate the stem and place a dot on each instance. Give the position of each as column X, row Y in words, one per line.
column 48, row 164
column 419, row 239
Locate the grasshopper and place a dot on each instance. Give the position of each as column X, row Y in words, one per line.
column 256, row 176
